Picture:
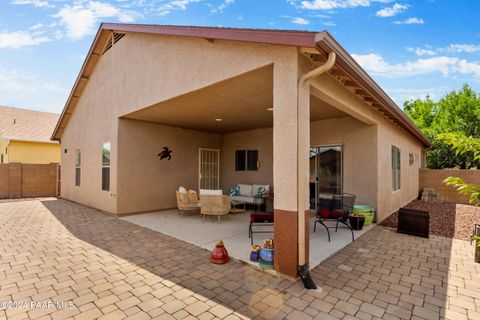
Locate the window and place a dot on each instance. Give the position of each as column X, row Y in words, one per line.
column 106, row 166
column 395, row 168
column 78, row 158
column 246, row 160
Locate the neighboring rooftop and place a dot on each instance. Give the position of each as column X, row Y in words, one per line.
column 27, row 125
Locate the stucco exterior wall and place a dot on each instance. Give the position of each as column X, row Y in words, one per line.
column 259, row 139
column 388, row 134
column 359, row 142
column 144, row 182
column 390, row 201
column 142, row 70
column 33, row 152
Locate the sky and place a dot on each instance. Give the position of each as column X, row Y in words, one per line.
column 411, row 48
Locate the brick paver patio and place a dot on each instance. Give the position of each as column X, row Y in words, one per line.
column 57, row 251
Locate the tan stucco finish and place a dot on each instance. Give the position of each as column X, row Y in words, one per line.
column 144, row 182
column 259, row 139
column 143, row 70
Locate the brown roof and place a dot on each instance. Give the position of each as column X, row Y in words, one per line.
column 26, row 125
column 323, row 42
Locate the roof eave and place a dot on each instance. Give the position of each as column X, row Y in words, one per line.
column 327, row 43
column 293, row 38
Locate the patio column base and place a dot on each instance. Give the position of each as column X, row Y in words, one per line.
column 286, row 242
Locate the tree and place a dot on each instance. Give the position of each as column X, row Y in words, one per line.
column 463, row 145
column 457, row 111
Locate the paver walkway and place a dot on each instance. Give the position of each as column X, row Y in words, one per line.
column 102, row 267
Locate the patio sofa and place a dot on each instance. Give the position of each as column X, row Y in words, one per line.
column 250, row 193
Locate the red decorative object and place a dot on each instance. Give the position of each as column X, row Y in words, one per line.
column 219, row 254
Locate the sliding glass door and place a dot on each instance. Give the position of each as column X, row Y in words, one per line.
column 325, row 172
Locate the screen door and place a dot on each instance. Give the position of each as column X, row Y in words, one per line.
column 209, row 168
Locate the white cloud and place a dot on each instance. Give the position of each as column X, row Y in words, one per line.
column 18, row 82
column 392, row 11
column 19, row 39
column 35, row 3
column 466, row 48
column 300, row 21
column 170, row 5
column 223, row 6
column 421, row 51
column 410, row 21
column 375, row 64
column 337, row 4
column 330, row 24
column 81, row 18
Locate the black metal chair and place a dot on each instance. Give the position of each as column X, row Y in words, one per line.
column 260, row 220
column 335, row 208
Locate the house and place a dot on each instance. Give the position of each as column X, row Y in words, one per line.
column 268, row 100
column 25, row 136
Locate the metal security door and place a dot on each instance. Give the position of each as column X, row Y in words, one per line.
column 209, row 168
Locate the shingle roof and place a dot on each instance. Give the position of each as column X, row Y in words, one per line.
column 27, row 125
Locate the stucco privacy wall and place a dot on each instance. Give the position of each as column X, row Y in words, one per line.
column 142, row 70
column 387, row 135
column 433, row 178
column 34, row 152
column 259, row 139
column 144, row 182
column 19, row 180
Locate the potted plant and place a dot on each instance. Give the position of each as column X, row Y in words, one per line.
column 356, row 221
column 476, row 239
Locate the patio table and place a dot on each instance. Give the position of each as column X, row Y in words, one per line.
column 236, row 203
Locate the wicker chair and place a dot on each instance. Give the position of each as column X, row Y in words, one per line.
column 187, row 201
column 214, row 205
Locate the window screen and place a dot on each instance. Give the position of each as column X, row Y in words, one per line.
column 106, row 148
column 246, row 160
column 395, row 168
column 78, row 159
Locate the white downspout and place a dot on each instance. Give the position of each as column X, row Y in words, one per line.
column 303, row 84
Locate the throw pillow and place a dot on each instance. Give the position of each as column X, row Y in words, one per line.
column 234, row 191
column 261, row 191
column 182, row 189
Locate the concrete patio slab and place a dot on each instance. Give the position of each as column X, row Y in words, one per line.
column 233, row 231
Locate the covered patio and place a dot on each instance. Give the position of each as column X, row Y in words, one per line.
column 206, row 130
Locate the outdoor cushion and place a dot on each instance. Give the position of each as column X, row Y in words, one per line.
column 245, row 190
column 206, row 192
column 257, row 187
column 248, row 200
column 330, row 214
column 234, row 191
column 261, row 217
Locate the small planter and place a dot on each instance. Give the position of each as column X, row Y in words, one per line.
column 255, row 253
column 356, row 222
column 266, row 258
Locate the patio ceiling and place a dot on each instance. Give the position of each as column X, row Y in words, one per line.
column 241, row 102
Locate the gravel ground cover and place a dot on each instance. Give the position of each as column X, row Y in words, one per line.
column 447, row 219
